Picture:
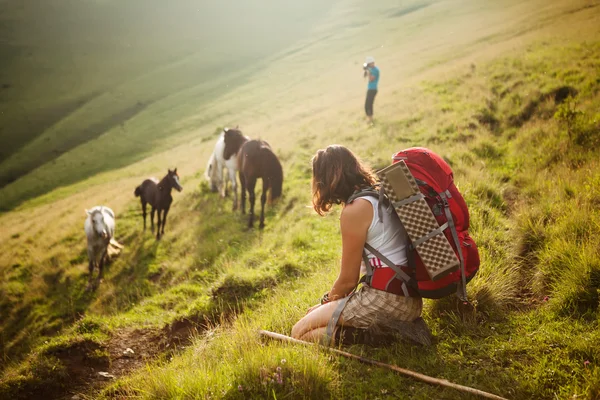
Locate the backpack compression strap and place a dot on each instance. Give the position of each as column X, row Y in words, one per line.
column 326, row 340
column 403, row 276
column 462, row 287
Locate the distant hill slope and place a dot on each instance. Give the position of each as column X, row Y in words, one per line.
column 72, row 70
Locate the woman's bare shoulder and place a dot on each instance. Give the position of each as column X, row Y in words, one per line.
column 360, row 210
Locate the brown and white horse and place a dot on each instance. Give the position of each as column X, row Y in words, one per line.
column 219, row 161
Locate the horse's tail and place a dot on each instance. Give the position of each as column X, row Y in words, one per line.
column 276, row 178
column 114, row 248
column 116, row 244
column 210, row 168
column 138, row 191
column 212, row 173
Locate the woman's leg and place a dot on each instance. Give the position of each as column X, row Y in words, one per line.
column 313, row 325
column 315, row 335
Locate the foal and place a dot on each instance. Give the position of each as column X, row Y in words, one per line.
column 158, row 194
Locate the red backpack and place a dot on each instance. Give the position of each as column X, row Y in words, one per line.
column 436, row 182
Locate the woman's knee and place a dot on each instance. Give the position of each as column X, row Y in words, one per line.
column 315, row 319
column 296, row 330
column 301, row 327
column 314, row 335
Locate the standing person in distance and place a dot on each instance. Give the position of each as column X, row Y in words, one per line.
column 372, row 73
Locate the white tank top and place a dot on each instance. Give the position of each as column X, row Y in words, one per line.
column 387, row 237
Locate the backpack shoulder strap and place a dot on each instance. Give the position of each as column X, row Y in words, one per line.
column 372, row 192
column 377, row 192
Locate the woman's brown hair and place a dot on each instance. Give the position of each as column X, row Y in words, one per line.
column 337, row 173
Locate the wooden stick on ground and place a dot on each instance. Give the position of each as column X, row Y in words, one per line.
column 416, row 375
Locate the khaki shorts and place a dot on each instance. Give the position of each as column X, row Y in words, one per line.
column 370, row 306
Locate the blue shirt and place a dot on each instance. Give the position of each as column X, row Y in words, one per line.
column 373, row 84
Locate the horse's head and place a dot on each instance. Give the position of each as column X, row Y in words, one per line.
column 173, row 178
column 234, row 139
column 98, row 224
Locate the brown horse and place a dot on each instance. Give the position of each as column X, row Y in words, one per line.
column 158, row 194
column 255, row 160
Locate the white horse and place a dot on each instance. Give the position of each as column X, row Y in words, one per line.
column 211, row 173
column 214, row 170
column 100, row 229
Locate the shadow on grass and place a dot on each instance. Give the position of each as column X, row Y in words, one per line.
column 220, row 230
column 133, row 280
column 44, row 314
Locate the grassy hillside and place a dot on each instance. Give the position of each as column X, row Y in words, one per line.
column 485, row 85
column 73, row 71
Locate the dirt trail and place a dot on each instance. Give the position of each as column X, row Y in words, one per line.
column 128, row 350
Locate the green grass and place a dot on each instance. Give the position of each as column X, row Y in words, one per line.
column 526, row 163
column 223, row 274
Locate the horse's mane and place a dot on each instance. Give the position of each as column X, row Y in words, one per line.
column 234, row 139
column 101, row 210
column 234, row 131
column 161, row 184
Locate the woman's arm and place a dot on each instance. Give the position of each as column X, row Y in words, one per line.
column 354, row 223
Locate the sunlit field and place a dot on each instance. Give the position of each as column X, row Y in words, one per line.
column 507, row 92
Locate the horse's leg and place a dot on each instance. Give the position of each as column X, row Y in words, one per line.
column 225, row 179
column 233, row 187
column 144, row 212
column 251, row 185
column 152, row 218
column 222, row 183
column 92, row 259
column 243, row 191
column 103, row 259
column 212, row 173
column 158, row 224
column 164, row 219
column 263, row 199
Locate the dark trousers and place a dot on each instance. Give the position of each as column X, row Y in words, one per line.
column 369, row 102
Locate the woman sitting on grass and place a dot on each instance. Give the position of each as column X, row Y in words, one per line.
column 337, row 175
